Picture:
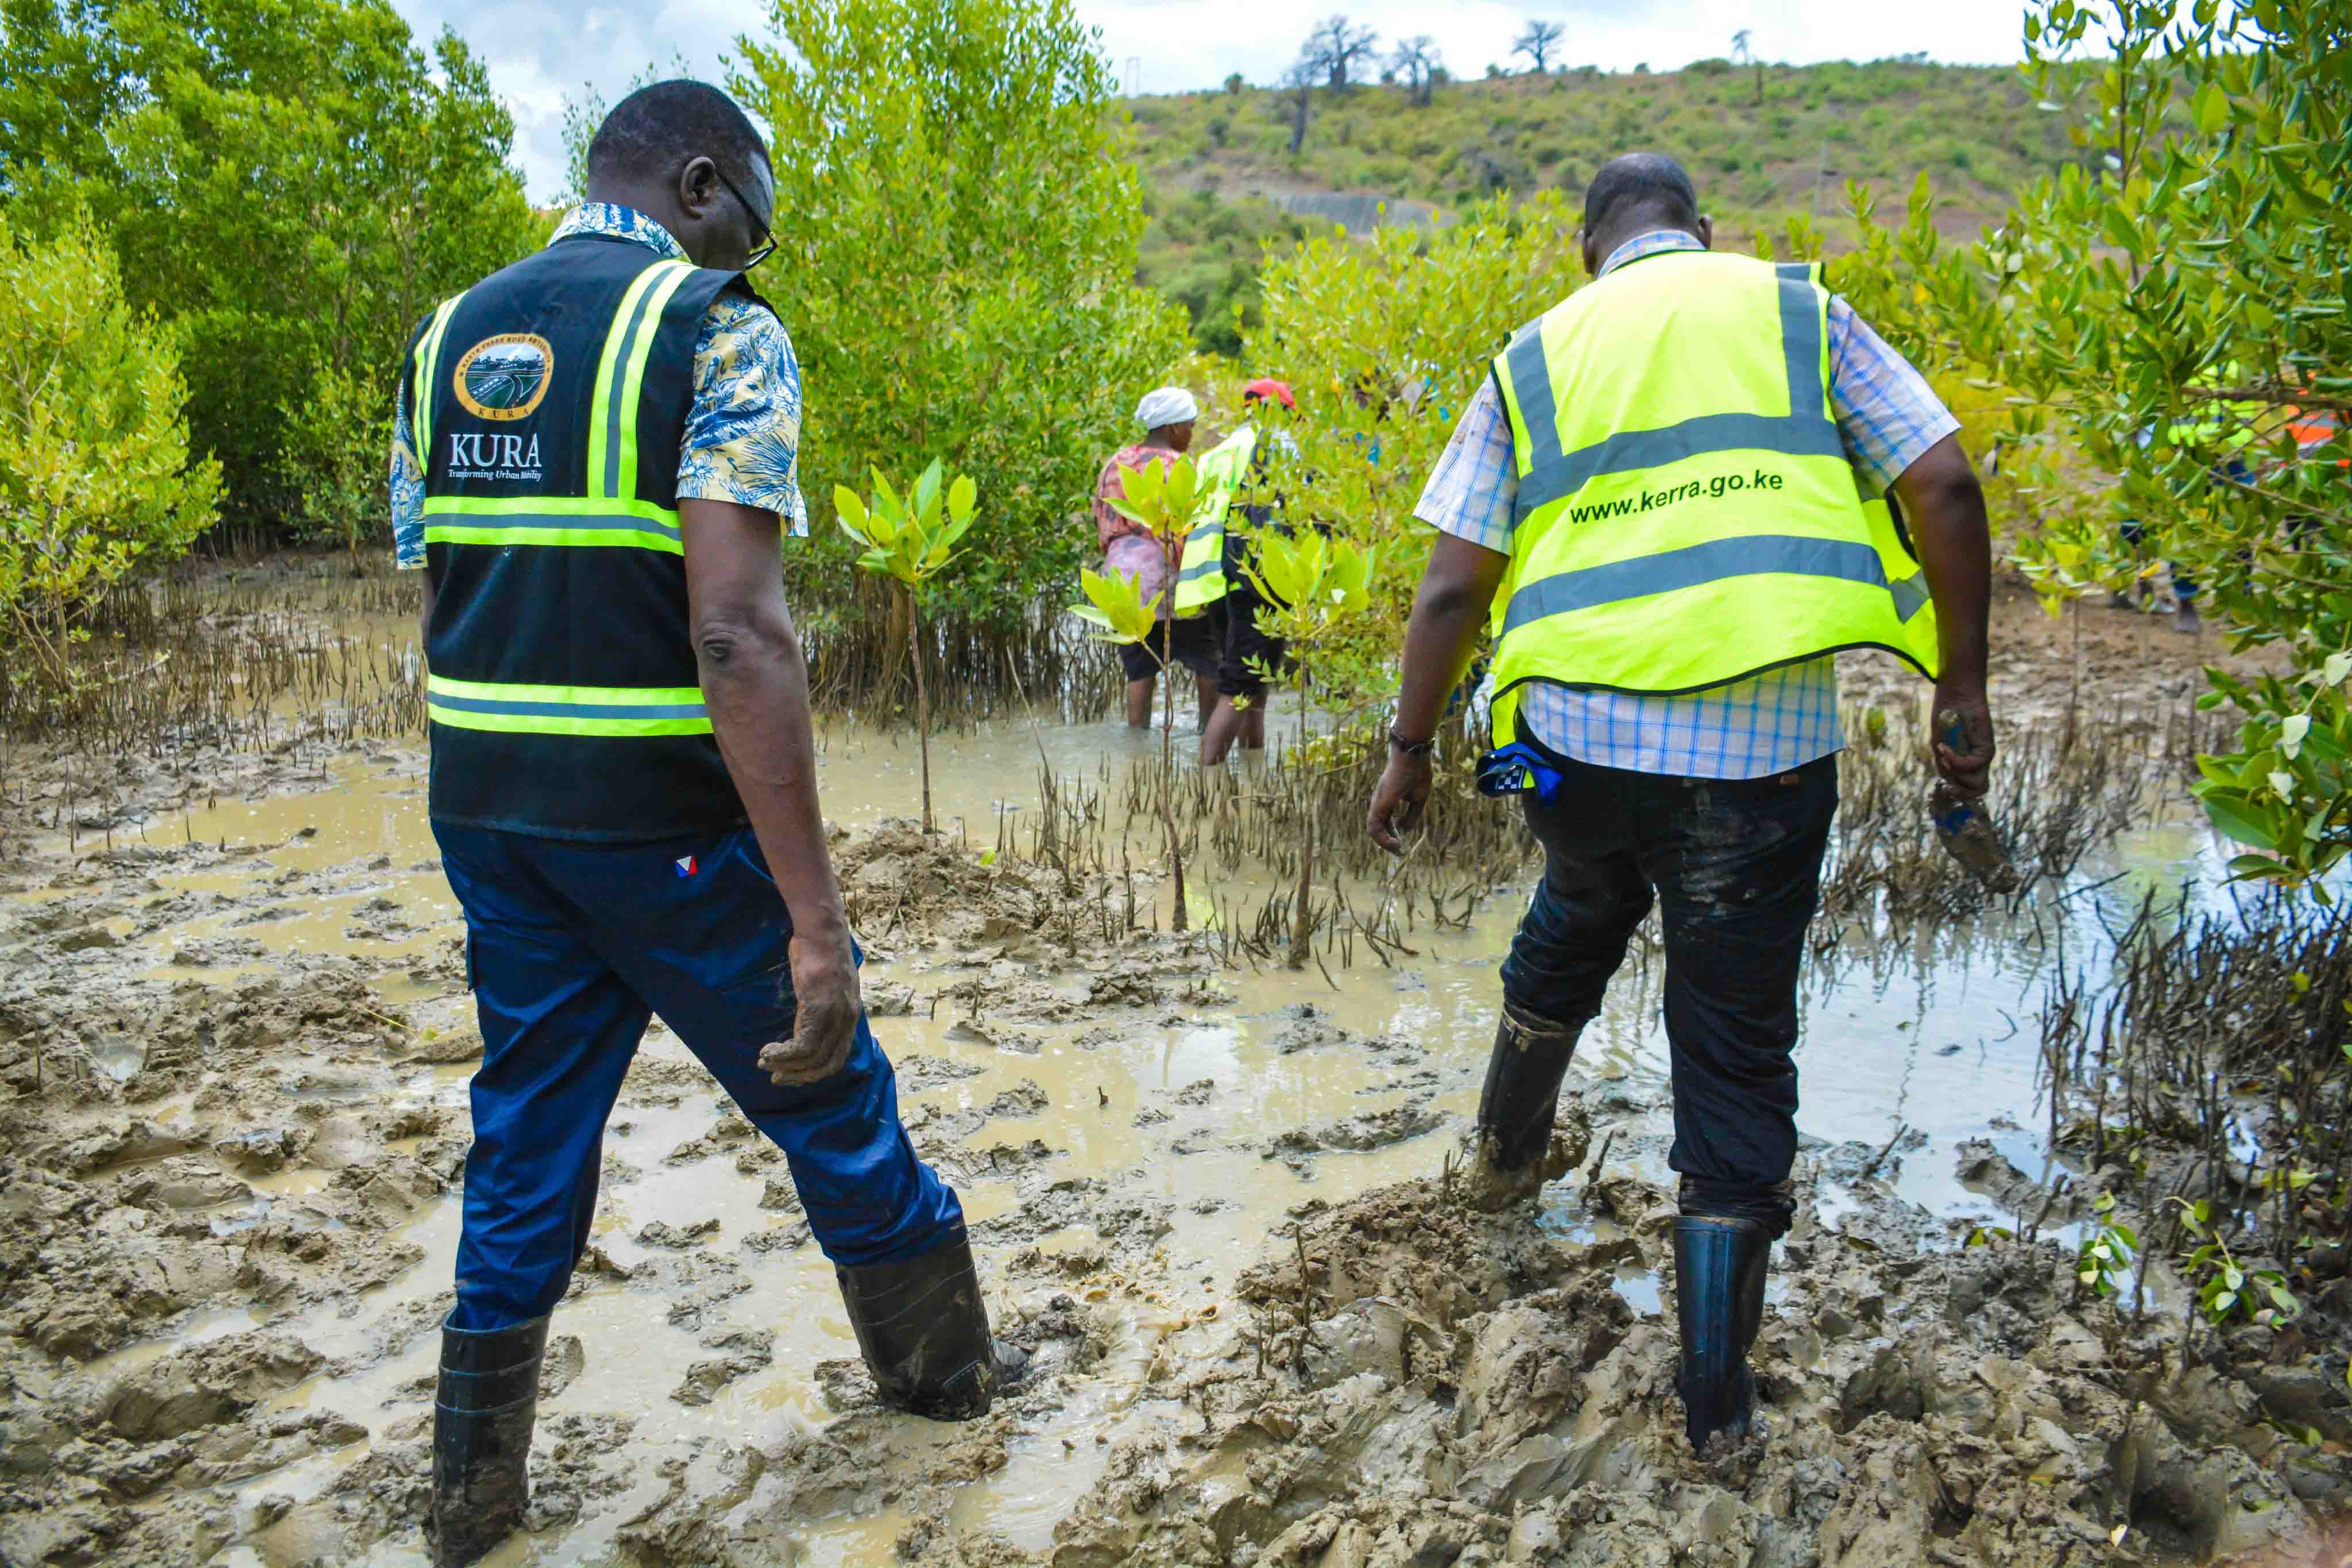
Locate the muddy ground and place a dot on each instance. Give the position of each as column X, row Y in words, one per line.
column 234, row 1076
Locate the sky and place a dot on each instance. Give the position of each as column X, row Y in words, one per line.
column 541, row 51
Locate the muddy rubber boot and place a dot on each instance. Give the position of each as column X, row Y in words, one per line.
column 482, row 1415
column 923, row 1330
column 1518, row 1147
column 2186, row 621
column 1719, row 1267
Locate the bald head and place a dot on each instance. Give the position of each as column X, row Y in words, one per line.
column 1635, row 193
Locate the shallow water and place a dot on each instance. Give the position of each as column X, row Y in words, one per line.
column 1937, row 1036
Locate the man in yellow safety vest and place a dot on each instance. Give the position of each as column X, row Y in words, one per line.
column 1671, row 495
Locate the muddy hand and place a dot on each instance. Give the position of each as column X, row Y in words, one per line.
column 1398, row 801
column 1963, row 736
column 825, row 986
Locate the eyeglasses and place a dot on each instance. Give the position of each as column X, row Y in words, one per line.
column 767, row 246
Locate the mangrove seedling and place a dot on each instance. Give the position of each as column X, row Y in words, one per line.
column 1169, row 499
column 2226, row 1290
column 911, row 540
column 1313, row 584
column 2103, row 1264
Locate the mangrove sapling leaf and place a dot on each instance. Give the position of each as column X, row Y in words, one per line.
column 1116, row 606
column 910, row 540
column 2104, row 1262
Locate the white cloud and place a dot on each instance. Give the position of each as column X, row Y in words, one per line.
column 539, row 51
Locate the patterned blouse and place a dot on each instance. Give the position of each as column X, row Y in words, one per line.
column 1111, row 523
column 742, row 437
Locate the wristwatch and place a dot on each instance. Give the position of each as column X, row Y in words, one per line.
column 1411, row 748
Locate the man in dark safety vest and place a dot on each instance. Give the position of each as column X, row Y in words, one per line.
column 1670, row 497
column 594, row 462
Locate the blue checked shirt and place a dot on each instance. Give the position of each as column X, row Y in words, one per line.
column 742, row 436
column 1770, row 723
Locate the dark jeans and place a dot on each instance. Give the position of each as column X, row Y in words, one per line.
column 571, row 948
column 1735, row 865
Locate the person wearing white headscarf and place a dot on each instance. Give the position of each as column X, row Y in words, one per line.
column 1130, row 549
column 1164, row 410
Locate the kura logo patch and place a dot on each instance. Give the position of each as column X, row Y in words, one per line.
column 504, row 377
column 688, row 865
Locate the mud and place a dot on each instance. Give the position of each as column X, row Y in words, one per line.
column 1225, row 1207
column 1419, row 1383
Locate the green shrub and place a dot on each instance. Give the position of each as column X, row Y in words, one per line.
column 94, row 469
column 295, row 183
column 333, row 456
column 960, row 267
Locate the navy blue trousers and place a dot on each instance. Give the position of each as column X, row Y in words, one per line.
column 1736, row 865
column 571, row 948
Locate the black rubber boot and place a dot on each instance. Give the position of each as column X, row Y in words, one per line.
column 1517, row 1152
column 923, row 1330
column 482, row 1416
column 1719, row 1267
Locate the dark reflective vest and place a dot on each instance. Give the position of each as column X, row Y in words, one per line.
column 550, row 403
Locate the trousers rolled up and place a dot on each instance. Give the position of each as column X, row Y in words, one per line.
column 1734, row 867
column 571, row 948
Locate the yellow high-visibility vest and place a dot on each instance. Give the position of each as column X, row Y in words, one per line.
column 1687, row 515
column 1223, row 469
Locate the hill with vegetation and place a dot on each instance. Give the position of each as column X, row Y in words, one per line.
column 1221, row 176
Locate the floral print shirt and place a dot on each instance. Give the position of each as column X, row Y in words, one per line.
column 742, row 436
column 1111, row 523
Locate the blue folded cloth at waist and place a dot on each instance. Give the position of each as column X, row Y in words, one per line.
column 1517, row 768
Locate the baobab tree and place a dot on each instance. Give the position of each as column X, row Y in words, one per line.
column 1537, row 42
column 1416, row 60
column 1336, row 45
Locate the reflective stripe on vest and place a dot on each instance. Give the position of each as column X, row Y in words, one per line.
column 1201, row 576
column 1806, row 431
column 428, row 370
column 1686, row 513
column 621, row 711
column 610, row 514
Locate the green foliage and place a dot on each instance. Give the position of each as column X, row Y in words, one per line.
column 2227, row 1292
column 95, row 473
column 335, row 452
column 2165, row 315
column 1115, row 608
column 1383, row 342
column 2287, row 796
column 911, row 542
column 913, row 539
column 292, row 181
column 2103, row 1264
column 1549, row 133
column 958, row 265
column 1315, row 584
column 1202, row 252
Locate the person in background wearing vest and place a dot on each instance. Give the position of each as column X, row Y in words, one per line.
column 1668, row 493
column 1130, row 549
column 1243, row 650
column 594, row 452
